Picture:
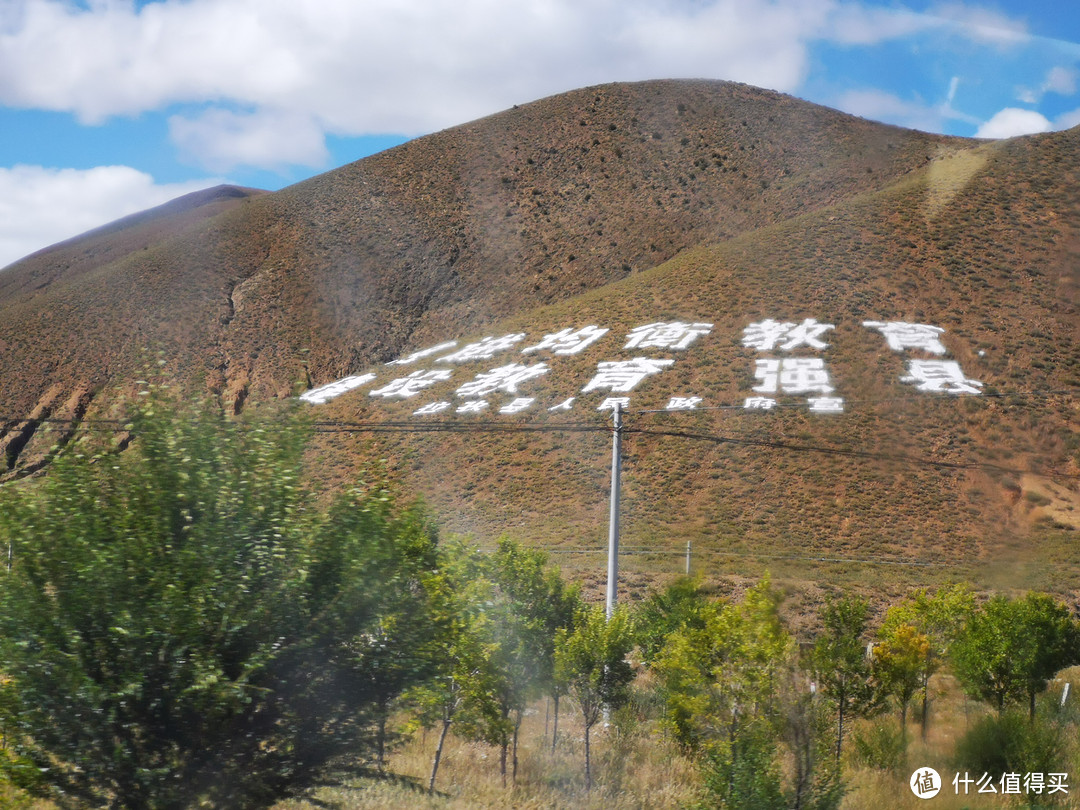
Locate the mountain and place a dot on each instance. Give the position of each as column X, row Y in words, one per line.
column 707, row 206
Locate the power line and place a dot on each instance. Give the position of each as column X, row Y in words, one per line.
column 579, row 427
column 467, row 427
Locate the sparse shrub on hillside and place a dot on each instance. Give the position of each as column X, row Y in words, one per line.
column 182, row 627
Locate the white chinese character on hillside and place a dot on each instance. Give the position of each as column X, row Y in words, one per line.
column 473, row 406
column 484, row 350
column 413, row 384
column 412, row 358
column 504, row 378
column 940, row 376
column 623, row 375
column 325, row 393
column 765, row 335
column 518, row 405
column 902, row 335
column 682, row 403
column 800, row 375
column 565, row 405
column 674, row 335
column 826, row 404
column 567, row 341
column 610, row 403
column 759, row 404
column 430, row 408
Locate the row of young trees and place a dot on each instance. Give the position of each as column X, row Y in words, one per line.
column 187, row 624
column 740, row 691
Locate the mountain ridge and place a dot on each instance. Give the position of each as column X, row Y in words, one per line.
column 461, row 226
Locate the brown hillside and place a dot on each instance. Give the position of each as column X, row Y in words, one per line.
column 918, row 488
column 448, row 232
column 115, row 240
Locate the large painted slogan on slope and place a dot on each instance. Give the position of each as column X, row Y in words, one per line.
column 513, row 368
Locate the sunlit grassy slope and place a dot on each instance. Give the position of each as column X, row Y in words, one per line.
column 918, row 487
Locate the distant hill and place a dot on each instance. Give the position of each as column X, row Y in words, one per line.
column 620, row 206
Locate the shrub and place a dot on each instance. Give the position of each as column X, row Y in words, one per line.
column 881, row 745
column 1011, row 743
column 181, row 627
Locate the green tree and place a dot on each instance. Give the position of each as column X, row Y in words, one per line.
column 1010, row 648
column 591, row 661
column 180, row 623
column 900, row 661
column 719, row 676
column 464, row 680
column 840, row 664
column 940, row 617
column 736, row 695
column 519, row 601
column 680, row 604
column 542, row 604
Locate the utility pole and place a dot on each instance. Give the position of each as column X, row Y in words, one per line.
column 613, row 522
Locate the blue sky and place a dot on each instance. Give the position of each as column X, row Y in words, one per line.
column 112, row 106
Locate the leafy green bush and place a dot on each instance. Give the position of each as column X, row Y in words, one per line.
column 743, row 774
column 1011, row 743
column 181, row 625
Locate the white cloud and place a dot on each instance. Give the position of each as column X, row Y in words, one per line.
column 381, row 66
column 879, row 105
column 1061, row 80
column 341, row 67
column 1011, row 122
column 222, row 139
column 1067, row 120
column 855, row 24
column 982, row 24
column 41, row 206
column 862, row 24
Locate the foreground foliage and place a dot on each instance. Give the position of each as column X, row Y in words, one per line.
column 736, row 693
column 180, row 626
